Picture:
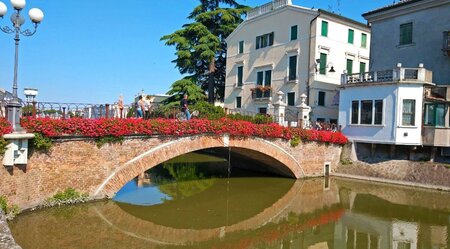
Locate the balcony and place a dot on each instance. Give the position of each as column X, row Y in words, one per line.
column 268, row 7
column 436, row 136
column 399, row 74
column 261, row 93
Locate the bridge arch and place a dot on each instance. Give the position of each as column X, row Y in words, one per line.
column 173, row 148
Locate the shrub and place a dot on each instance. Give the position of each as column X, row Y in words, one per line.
column 113, row 129
column 5, row 127
column 108, row 140
column 208, row 111
column 10, row 210
column 42, row 143
column 295, row 141
column 66, row 197
column 257, row 119
column 3, row 144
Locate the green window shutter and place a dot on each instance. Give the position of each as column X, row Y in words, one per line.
column 406, row 31
column 364, row 40
column 349, row 66
column 271, row 37
column 293, row 67
column 268, row 78
column 291, row 99
column 362, row 67
column 321, row 99
column 240, row 75
column 324, row 28
column 323, row 63
column 351, row 34
column 238, row 102
column 355, row 112
column 294, row 30
column 241, row 47
column 259, row 78
column 257, row 42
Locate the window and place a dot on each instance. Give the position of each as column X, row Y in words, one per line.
column 371, row 112
column 291, row 99
column 240, row 70
column 323, row 63
column 378, row 112
column 292, row 67
column 362, row 67
column 321, row 99
column 265, row 40
column 238, row 102
column 351, row 34
column 263, row 79
column 349, row 66
column 355, row 112
column 408, row 112
column 241, row 47
column 364, row 40
column 435, row 114
column 294, row 31
column 366, row 111
column 406, row 31
column 324, row 28
column 262, row 110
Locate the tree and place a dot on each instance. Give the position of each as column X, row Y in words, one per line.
column 184, row 86
column 201, row 46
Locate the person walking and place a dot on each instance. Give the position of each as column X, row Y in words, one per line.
column 120, row 106
column 140, row 107
column 184, row 106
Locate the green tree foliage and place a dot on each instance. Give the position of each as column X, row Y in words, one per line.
column 200, row 45
column 181, row 87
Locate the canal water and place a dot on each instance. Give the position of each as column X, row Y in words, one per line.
column 200, row 201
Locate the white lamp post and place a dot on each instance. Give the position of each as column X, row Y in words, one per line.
column 36, row 16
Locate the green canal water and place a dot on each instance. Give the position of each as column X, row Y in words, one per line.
column 199, row 201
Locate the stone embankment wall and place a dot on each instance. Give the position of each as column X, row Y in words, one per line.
column 400, row 171
column 101, row 172
column 6, row 239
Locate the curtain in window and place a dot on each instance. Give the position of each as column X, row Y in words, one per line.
column 408, row 112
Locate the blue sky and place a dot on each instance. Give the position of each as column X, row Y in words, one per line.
column 91, row 51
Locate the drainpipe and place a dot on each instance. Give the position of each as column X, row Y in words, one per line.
column 309, row 59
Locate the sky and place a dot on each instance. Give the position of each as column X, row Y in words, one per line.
column 89, row 51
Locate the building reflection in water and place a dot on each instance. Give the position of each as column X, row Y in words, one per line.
column 196, row 211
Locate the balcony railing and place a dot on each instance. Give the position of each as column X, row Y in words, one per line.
column 436, row 136
column 393, row 75
column 261, row 92
column 268, row 7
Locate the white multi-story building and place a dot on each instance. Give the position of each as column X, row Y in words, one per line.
column 295, row 50
column 406, row 107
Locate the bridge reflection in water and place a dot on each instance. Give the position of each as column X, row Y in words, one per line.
column 247, row 212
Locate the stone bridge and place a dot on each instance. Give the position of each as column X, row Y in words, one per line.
column 78, row 163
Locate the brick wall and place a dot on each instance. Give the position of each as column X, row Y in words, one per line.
column 101, row 172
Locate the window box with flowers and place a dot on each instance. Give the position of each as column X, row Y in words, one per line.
column 261, row 92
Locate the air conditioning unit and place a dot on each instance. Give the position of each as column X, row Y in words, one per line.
column 446, row 43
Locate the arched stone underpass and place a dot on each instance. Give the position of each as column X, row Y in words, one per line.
column 280, row 159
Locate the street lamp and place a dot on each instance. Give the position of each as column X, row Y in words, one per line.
column 17, row 20
column 30, row 93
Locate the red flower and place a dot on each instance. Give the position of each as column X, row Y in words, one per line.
column 170, row 127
